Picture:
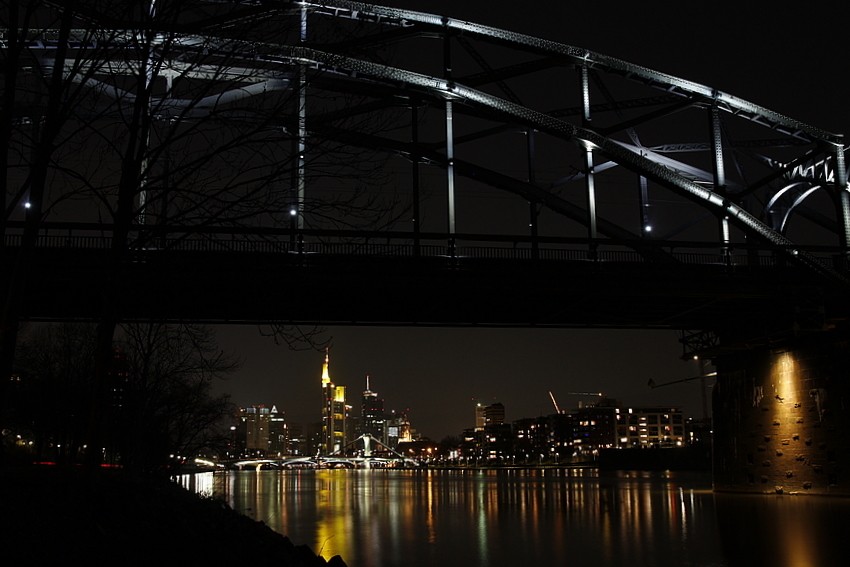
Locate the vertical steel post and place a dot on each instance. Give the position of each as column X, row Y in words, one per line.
column 643, row 196
column 843, row 197
column 719, row 176
column 141, row 218
column 532, row 206
column 165, row 190
column 450, row 156
column 717, row 146
column 414, row 155
column 450, row 172
column 590, row 186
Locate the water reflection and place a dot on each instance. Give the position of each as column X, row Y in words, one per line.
column 786, row 531
column 569, row 517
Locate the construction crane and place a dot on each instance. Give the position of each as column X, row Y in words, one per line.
column 558, row 410
column 551, row 395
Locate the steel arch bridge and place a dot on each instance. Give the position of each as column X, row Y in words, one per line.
column 477, row 134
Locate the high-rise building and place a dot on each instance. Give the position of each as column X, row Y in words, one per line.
column 253, row 427
column 397, row 430
column 531, row 438
column 595, row 427
column 298, row 441
column 651, row 427
column 372, row 418
column 479, row 416
column 278, row 434
column 493, row 414
column 333, row 412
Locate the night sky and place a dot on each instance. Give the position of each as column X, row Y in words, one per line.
column 792, row 60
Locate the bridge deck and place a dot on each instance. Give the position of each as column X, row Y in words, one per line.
column 493, row 290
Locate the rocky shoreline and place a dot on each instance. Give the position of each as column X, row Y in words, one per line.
column 52, row 513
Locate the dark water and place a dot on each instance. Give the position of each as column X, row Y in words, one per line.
column 500, row 518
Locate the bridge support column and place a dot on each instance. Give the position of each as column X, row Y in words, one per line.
column 780, row 419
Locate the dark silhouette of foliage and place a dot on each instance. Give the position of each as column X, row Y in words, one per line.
column 159, row 407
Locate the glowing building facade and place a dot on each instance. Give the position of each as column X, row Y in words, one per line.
column 334, row 413
column 650, row 427
column 486, row 415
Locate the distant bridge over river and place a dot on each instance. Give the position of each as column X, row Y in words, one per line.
column 323, row 463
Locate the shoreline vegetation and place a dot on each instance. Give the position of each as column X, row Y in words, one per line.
column 54, row 513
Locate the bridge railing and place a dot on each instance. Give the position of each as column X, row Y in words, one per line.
column 497, row 247
column 87, row 242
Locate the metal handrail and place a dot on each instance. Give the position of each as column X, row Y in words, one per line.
column 260, row 244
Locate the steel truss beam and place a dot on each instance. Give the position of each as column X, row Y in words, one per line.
column 267, row 67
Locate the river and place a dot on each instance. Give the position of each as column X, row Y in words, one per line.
column 501, row 518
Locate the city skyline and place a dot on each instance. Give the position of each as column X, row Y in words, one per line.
column 573, row 433
column 199, row 234
column 438, row 389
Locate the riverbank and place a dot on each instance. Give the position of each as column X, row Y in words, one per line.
column 649, row 459
column 51, row 514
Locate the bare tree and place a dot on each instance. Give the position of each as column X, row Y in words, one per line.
column 168, row 122
column 36, row 103
column 54, row 374
column 160, row 408
column 170, row 412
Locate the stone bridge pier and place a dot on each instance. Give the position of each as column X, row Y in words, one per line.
column 780, row 414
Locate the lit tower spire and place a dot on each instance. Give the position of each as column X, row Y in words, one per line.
column 326, row 377
column 327, row 408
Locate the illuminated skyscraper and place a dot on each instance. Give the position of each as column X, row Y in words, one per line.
column 278, row 433
column 252, row 429
column 493, row 414
column 333, row 412
column 397, row 430
column 372, row 413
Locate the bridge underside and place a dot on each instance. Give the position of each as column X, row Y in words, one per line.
column 328, row 289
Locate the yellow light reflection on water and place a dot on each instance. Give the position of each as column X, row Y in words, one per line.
column 432, row 532
column 783, row 531
column 332, row 531
column 380, row 517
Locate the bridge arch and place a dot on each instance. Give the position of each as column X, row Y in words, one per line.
column 715, row 201
column 630, row 116
column 723, row 204
column 803, row 191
